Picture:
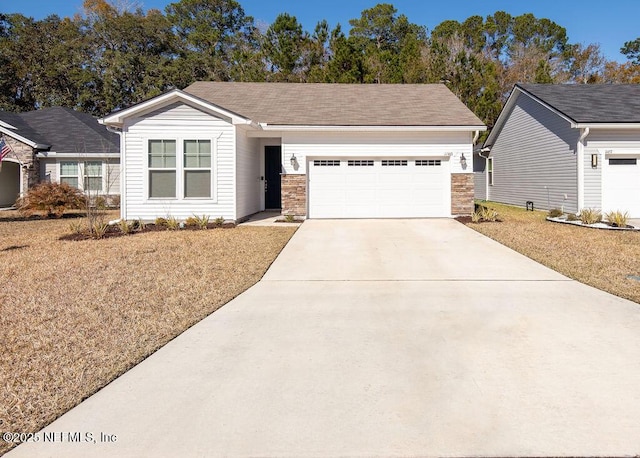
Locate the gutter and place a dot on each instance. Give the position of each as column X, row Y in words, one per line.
column 123, row 180
column 580, row 165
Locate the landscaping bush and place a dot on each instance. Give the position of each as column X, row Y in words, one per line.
column 51, row 198
column 590, row 216
column 617, row 218
column 555, row 212
column 484, row 214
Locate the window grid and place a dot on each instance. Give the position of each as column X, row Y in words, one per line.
column 394, row 163
column 360, row 163
column 69, row 172
column 197, row 168
column 326, row 163
column 93, row 176
column 162, row 169
column 428, row 162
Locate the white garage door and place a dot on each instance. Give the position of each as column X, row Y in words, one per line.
column 621, row 185
column 378, row 188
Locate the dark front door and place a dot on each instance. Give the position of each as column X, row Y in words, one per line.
column 272, row 169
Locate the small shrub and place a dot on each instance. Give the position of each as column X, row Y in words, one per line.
column 476, row 217
column 161, row 222
column 191, row 222
column 76, row 227
column 219, row 221
column 51, row 198
column 138, row 225
column 488, row 214
column 617, row 218
column 572, row 217
column 290, row 219
column 202, row 221
column 555, row 212
column 173, row 224
column 125, row 226
column 590, row 216
column 98, row 229
column 100, row 203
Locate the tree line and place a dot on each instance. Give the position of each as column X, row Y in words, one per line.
column 111, row 56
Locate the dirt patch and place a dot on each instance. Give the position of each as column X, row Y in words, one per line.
column 76, row 315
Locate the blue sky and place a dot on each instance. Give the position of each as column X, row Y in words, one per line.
column 609, row 23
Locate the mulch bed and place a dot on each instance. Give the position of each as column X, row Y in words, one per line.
column 114, row 231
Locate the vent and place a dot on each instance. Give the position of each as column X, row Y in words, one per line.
column 428, row 162
column 326, row 163
column 360, row 163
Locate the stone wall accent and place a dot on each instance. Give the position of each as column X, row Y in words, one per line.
column 461, row 194
column 294, row 195
column 29, row 163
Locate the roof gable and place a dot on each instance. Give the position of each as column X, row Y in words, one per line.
column 315, row 104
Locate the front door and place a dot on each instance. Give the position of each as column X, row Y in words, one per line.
column 272, row 170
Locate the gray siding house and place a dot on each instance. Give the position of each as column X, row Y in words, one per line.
column 564, row 146
column 61, row 145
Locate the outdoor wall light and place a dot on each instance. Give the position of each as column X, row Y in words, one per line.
column 594, row 161
column 294, row 160
column 463, row 161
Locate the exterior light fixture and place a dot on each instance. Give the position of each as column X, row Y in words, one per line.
column 294, row 160
column 594, row 161
column 463, row 161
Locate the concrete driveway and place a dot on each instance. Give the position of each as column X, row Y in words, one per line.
column 383, row 338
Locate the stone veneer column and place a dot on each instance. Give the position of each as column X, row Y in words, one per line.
column 462, row 194
column 294, row 195
column 25, row 154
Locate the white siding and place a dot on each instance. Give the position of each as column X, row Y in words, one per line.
column 376, row 144
column 248, row 181
column 110, row 171
column 534, row 159
column 479, row 177
column 598, row 142
column 180, row 122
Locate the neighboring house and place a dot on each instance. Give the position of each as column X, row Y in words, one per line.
column 564, row 146
column 316, row 150
column 57, row 144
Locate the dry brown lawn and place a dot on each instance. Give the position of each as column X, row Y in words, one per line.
column 600, row 258
column 75, row 315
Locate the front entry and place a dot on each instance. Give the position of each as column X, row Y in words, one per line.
column 9, row 183
column 272, row 170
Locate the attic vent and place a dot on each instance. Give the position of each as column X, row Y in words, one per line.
column 428, row 162
column 360, row 163
column 394, row 163
column 326, row 163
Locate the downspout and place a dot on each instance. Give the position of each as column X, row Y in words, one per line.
column 123, row 180
column 580, row 165
column 487, row 150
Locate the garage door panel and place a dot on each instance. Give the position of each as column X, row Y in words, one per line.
column 621, row 185
column 369, row 189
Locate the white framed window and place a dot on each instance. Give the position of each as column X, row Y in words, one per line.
column 490, row 170
column 162, row 169
column 69, row 172
column 92, row 176
column 197, row 169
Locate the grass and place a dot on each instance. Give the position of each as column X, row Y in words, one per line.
column 599, row 258
column 75, row 315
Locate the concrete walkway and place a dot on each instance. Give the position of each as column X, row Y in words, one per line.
column 383, row 338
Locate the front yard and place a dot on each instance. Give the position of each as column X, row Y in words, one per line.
column 600, row 258
column 75, row 315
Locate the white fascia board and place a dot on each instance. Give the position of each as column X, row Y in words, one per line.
column 6, row 125
column 54, row 155
column 20, row 138
column 117, row 119
column 604, row 125
column 289, row 128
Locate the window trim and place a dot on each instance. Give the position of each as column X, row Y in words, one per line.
column 77, row 176
column 186, row 169
column 180, row 169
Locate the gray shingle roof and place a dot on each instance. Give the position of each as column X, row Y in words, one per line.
column 64, row 130
column 591, row 103
column 313, row 104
